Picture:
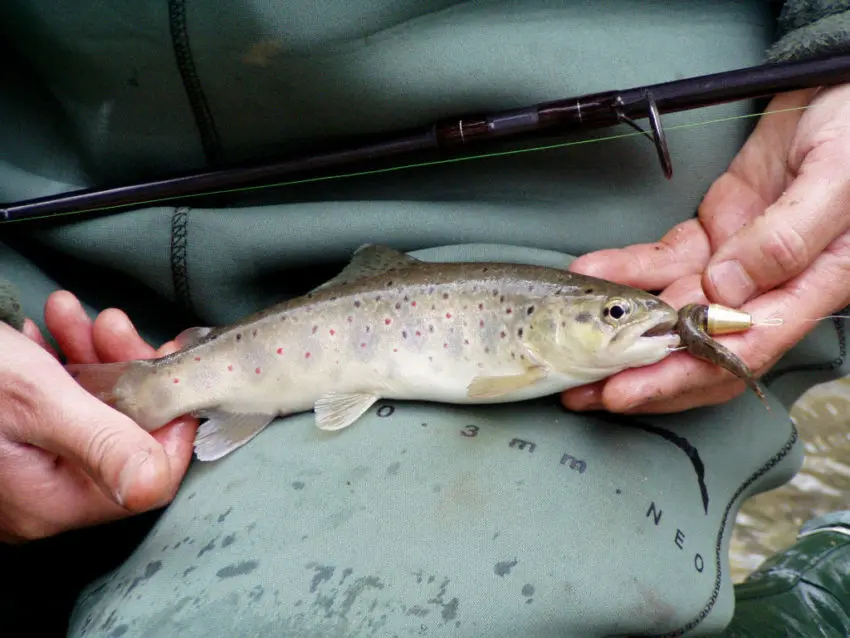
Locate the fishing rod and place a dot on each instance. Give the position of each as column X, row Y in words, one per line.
column 585, row 112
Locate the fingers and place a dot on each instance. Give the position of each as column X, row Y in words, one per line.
column 702, row 397
column 781, row 243
column 115, row 338
column 34, row 333
column 682, row 251
column 682, row 381
column 784, row 241
column 128, row 464
column 69, row 324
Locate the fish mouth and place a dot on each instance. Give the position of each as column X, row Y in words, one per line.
column 662, row 329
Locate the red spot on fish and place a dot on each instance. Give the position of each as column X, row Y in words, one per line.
column 502, row 334
column 280, row 350
column 418, row 333
column 348, row 319
column 306, row 355
column 388, row 321
column 315, row 328
column 332, row 332
column 481, row 323
column 413, row 303
column 257, row 370
column 509, row 310
column 230, row 368
column 197, row 358
column 448, row 315
column 362, row 345
column 445, row 345
column 395, row 349
column 176, row 380
column 481, row 306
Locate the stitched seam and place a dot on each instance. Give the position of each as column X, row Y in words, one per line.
column 179, row 257
column 191, row 82
column 718, row 548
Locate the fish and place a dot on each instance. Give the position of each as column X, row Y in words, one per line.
column 693, row 329
column 393, row 327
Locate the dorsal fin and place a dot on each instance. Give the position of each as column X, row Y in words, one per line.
column 369, row 260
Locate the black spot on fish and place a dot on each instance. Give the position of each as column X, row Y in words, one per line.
column 583, row 317
column 404, row 334
column 530, row 310
column 502, row 299
column 224, row 515
column 445, row 295
column 390, row 282
column 309, row 295
column 238, row 336
column 119, row 631
column 254, row 333
column 588, row 291
column 298, row 485
column 519, row 333
column 228, row 540
column 430, row 328
column 356, row 304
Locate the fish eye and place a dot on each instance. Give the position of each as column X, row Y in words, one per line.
column 616, row 309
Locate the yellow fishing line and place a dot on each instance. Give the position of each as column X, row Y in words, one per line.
column 404, row 167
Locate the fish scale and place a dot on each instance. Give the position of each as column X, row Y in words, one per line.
column 391, row 326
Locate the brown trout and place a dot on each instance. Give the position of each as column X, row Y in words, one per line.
column 393, row 327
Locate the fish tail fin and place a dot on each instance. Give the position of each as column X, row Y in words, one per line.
column 100, row 379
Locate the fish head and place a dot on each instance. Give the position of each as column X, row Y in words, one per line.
column 596, row 335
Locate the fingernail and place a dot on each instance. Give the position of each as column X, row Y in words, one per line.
column 140, row 470
column 732, row 282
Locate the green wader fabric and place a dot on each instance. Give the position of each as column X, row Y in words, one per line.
column 422, row 519
column 802, row 591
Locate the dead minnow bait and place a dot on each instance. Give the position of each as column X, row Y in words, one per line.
column 394, row 327
column 697, row 322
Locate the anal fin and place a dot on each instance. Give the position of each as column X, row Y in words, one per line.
column 492, row 387
column 335, row 411
column 223, row 432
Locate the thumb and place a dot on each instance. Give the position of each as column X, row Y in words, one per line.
column 128, row 464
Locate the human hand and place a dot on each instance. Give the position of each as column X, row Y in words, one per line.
column 772, row 237
column 68, row 460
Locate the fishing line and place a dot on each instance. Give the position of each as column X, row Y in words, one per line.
column 424, row 164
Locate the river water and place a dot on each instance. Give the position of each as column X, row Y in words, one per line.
column 769, row 522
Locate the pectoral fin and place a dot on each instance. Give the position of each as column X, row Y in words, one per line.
column 492, row 387
column 337, row 411
column 223, row 432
